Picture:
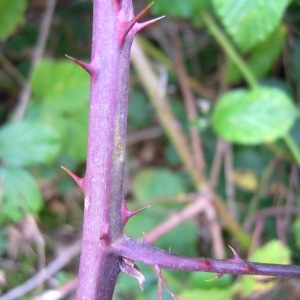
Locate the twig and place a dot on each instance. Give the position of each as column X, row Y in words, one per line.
column 59, row 293
column 188, row 213
column 67, row 255
column 11, row 69
column 144, row 134
column 189, row 101
column 217, row 164
column 176, row 135
column 36, row 57
column 230, row 189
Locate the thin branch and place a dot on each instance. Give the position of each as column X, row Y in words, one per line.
column 217, row 164
column 189, row 101
column 59, row 293
column 156, row 93
column 11, row 69
column 187, row 213
column 230, row 188
column 40, row 277
column 150, row 255
column 36, row 57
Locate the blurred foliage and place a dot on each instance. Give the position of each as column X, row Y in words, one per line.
column 264, row 35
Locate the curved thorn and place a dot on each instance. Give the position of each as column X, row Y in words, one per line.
column 78, row 180
column 126, row 26
column 83, row 65
column 235, row 255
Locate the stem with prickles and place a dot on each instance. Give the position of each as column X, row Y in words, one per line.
column 105, row 249
column 105, row 213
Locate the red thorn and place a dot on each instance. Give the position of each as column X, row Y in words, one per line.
column 127, row 214
column 126, row 26
column 219, row 275
column 235, row 255
column 140, row 26
column 78, row 180
column 83, row 65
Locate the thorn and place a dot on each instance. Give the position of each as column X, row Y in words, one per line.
column 128, row 267
column 127, row 214
column 78, row 180
column 134, row 212
column 140, row 26
column 126, row 26
column 235, row 255
column 219, row 275
column 83, row 65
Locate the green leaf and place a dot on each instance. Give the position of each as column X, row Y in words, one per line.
column 250, row 22
column 138, row 110
column 262, row 58
column 253, row 117
column 12, row 14
column 204, row 280
column 52, row 78
column 156, row 183
column 20, row 194
column 273, row 252
column 28, row 143
column 62, row 89
column 215, row 294
column 179, row 9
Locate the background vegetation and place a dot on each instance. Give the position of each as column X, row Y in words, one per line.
column 228, row 73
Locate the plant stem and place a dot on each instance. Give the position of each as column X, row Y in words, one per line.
column 292, row 147
column 229, row 49
column 103, row 181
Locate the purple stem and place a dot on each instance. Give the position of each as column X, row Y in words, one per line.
column 105, row 213
column 150, row 255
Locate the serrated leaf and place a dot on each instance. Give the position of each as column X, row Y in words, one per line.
column 253, row 117
column 12, row 14
column 261, row 59
column 20, row 194
column 250, row 22
column 179, row 9
column 156, row 183
column 28, row 143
